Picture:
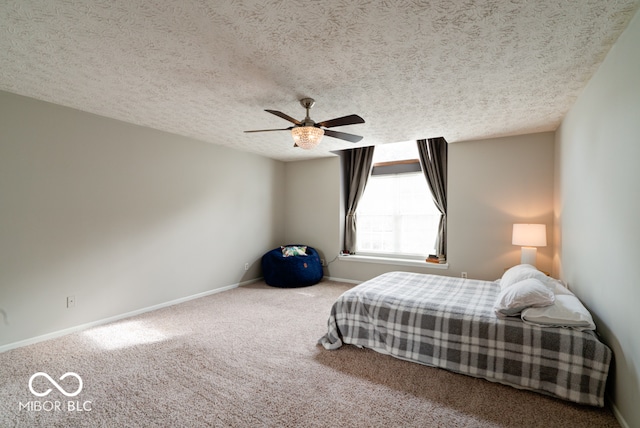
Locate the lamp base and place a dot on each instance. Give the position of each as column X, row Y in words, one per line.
column 528, row 256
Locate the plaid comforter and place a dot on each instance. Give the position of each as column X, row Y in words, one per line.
column 449, row 323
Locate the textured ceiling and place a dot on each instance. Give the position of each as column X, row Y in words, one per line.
column 411, row 68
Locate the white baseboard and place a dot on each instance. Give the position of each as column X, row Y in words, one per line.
column 618, row 415
column 350, row 281
column 85, row 326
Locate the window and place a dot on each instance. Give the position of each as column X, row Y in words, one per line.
column 396, row 215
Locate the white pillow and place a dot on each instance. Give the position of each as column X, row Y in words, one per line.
column 527, row 293
column 559, row 287
column 520, row 272
column 566, row 311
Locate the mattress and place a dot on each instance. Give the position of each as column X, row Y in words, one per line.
column 449, row 323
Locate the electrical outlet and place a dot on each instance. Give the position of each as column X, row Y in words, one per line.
column 322, row 262
column 71, row 301
column 463, row 275
column 246, row 266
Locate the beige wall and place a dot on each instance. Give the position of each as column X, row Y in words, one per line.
column 598, row 210
column 492, row 184
column 121, row 217
column 312, row 205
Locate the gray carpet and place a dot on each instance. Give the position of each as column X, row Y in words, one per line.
column 248, row 358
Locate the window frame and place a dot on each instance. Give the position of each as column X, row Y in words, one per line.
column 395, row 167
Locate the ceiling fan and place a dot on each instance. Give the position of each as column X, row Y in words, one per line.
column 307, row 133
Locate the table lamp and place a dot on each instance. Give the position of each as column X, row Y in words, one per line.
column 529, row 236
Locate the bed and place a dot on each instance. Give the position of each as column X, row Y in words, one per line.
column 450, row 323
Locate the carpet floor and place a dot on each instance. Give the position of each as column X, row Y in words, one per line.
column 248, row 358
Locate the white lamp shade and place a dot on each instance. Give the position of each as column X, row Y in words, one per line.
column 529, row 235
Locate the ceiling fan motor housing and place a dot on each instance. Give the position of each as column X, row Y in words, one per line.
column 307, row 103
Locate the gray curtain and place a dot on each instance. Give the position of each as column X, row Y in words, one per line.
column 358, row 168
column 433, row 160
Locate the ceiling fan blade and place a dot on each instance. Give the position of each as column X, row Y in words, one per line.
column 352, row 119
column 267, row 130
column 342, row 135
column 284, row 116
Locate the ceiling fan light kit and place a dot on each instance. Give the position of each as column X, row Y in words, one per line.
column 307, row 137
column 307, row 134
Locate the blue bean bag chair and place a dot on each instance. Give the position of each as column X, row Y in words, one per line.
column 292, row 266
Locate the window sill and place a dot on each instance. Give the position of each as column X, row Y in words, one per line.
column 392, row 261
